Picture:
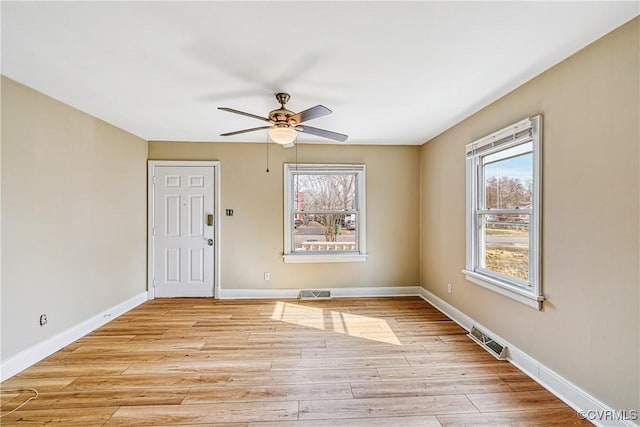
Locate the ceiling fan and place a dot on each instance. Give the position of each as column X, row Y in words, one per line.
column 285, row 124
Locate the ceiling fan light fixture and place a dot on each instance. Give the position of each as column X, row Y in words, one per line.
column 282, row 135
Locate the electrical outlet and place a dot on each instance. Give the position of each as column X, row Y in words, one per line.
column 449, row 287
column 43, row 319
column 267, row 275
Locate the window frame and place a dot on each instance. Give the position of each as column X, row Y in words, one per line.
column 289, row 253
column 525, row 131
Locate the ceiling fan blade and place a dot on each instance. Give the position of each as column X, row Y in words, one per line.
column 244, row 131
column 323, row 133
column 311, row 113
column 231, row 110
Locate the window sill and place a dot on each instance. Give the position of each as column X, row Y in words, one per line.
column 497, row 286
column 319, row 258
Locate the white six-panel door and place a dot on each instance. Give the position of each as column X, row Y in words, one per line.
column 183, row 231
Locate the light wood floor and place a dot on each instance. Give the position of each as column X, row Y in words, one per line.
column 345, row 362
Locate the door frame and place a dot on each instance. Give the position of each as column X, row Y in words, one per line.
column 151, row 165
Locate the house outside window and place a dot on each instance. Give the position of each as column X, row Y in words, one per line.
column 324, row 213
column 503, row 211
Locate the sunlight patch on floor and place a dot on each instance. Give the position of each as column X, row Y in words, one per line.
column 354, row 325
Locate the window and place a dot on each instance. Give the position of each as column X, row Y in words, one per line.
column 324, row 213
column 503, row 212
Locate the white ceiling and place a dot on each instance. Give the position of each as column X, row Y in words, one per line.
column 392, row 72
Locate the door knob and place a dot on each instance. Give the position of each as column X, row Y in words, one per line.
column 210, row 242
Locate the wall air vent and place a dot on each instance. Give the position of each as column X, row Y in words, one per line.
column 314, row 294
column 488, row 343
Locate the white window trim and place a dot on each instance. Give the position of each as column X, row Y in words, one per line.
column 507, row 137
column 361, row 202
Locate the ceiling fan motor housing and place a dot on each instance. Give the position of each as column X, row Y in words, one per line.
column 280, row 116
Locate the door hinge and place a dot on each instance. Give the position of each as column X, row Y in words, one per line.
column 154, row 179
column 154, row 231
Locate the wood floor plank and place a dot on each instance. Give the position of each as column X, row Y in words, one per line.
column 447, row 371
column 419, row 421
column 271, row 354
column 454, row 347
column 207, row 424
column 275, row 345
column 59, row 417
column 13, row 400
column 42, row 384
column 106, row 398
column 305, row 376
column 141, row 347
column 291, row 392
column 9, row 396
column 428, row 388
column 522, row 383
column 197, row 335
column 66, row 370
column 112, row 339
column 144, row 381
column 564, row 417
column 374, row 351
column 426, row 329
column 204, row 413
column 201, row 367
column 122, row 330
column 109, row 357
column 454, row 338
column 339, row 363
column 385, row 407
column 515, row 400
column 445, row 359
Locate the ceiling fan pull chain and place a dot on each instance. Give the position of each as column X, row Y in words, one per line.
column 267, row 154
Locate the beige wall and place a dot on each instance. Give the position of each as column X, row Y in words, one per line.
column 73, row 216
column 589, row 328
column 252, row 240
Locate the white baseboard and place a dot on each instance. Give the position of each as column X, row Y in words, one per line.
column 34, row 354
column 382, row 291
column 581, row 401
